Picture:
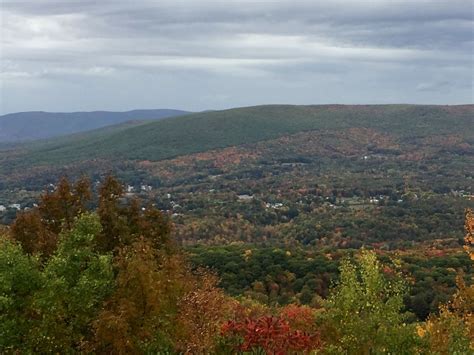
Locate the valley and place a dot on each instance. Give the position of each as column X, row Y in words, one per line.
column 335, row 183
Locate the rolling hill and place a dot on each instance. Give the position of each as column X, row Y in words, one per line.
column 330, row 176
column 200, row 132
column 24, row 126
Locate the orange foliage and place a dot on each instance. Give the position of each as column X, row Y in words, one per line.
column 37, row 230
column 121, row 225
column 469, row 238
column 159, row 304
column 142, row 307
column 64, row 204
column 201, row 312
column 32, row 234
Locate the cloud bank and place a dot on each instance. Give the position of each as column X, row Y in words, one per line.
column 119, row 54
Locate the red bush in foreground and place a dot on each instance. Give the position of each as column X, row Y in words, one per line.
column 270, row 334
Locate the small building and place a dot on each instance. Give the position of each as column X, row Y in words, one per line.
column 147, row 188
column 276, row 205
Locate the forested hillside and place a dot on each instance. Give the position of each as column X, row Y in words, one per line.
column 111, row 280
column 216, row 129
column 388, row 176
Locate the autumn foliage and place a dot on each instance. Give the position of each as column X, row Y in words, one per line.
column 110, row 281
column 271, row 334
column 469, row 238
column 141, row 309
column 37, row 230
column 202, row 310
column 122, row 220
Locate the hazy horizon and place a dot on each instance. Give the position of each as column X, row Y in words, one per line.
column 230, row 108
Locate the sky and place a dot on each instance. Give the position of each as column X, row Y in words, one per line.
column 82, row 55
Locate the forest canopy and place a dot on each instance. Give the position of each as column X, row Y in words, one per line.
column 92, row 271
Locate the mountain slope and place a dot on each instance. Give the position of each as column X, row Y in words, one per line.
column 24, row 126
column 203, row 131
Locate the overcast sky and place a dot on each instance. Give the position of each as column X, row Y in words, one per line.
column 75, row 55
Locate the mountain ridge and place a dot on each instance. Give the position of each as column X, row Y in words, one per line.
column 33, row 125
column 199, row 132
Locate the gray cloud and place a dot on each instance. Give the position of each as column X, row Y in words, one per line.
column 121, row 54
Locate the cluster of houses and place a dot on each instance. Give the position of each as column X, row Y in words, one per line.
column 143, row 188
column 275, row 206
column 15, row 206
column 463, row 193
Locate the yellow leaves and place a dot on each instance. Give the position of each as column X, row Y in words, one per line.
column 469, row 228
column 452, row 330
column 469, row 252
column 201, row 312
column 247, row 254
column 421, row 331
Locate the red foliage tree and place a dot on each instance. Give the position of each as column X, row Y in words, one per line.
column 271, row 334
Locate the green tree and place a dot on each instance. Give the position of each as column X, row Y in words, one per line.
column 77, row 281
column 364, row 311
column 19, row 279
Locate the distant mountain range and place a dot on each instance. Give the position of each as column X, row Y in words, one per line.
column 26, row 126
column 204, row 131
